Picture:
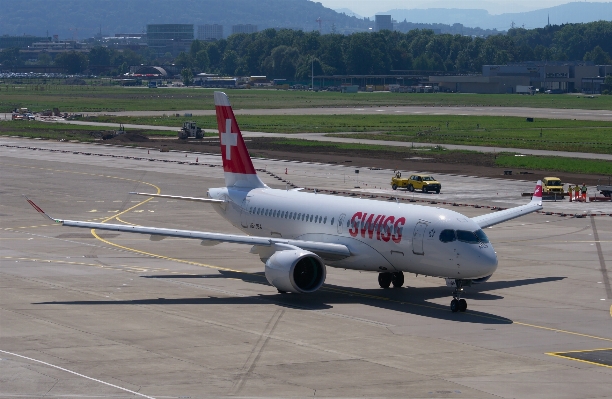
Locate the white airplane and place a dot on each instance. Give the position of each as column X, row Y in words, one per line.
column 297, row 234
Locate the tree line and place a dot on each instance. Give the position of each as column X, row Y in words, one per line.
column 290, row 54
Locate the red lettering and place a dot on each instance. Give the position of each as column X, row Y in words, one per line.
column 399, row 224
column 386, row 233
column 372, row 226
column 354, row 224
column 365, row 223
column 379, row 227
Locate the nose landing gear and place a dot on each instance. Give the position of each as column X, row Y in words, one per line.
column 385, row 279
column 458, row 304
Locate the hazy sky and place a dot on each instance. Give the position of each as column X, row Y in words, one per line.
column 368, row 8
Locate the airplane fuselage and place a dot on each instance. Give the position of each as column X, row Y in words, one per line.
column 382, row 236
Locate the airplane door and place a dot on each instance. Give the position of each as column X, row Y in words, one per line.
column 417, row 238
column 244, row 216
column 341, row 219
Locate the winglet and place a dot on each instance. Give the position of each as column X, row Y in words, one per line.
column 40, row 210
column 537, row 193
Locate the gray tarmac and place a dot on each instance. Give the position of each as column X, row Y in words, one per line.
column 523, row 112
column 116, row 315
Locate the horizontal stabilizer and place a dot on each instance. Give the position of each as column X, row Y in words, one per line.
column 178, row 197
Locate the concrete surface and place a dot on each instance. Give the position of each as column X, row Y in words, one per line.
column 116, row 315
column 523, row 112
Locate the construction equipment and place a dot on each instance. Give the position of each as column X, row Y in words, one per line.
column 605, row 189
column 190, row 131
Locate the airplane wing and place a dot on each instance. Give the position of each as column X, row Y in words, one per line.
column 178, row 197
column 326, row 251
column 491, row 219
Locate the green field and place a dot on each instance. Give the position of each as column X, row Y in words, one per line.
column 556, row 164
column 508, row 132
column 83, row 99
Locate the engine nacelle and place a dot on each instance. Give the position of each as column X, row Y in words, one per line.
column 295, row 270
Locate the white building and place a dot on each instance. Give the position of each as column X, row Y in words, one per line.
column 244, row 28
column 210, row 32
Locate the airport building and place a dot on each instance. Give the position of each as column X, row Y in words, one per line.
column 21, row 41
column 547, row 76
column 244, row 28
column 383, row 22
column 210, row 32
column 169, row 38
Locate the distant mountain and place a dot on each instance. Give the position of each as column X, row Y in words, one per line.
column 571, row 12
column 348, row 12
column 84, row 18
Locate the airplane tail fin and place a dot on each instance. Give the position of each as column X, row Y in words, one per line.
column 537, row 193
column 237, row 164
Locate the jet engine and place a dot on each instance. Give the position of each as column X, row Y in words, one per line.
column 295, row 270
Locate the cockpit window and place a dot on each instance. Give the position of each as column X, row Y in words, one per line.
column 467, row 236
column 481, row 236
column 447, row 236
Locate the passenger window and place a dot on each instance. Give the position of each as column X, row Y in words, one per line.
column 332, row 222
column 467, row 236
column 325, row 220
column 447, row 236
column 310, row 218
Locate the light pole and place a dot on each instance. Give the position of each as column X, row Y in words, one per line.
column 312, row 74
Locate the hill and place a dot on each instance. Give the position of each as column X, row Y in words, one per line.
column 84, row 18
column 574, row 12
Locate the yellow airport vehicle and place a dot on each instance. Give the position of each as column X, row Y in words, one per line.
column 425, row 183
column 552, row 185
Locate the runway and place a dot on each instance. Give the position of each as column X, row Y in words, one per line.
column 523, row 112
column 105, row 314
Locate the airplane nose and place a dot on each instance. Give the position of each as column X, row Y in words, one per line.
column 489, row 260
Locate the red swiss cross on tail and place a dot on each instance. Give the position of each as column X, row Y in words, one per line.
column 237, row 165
column 537, row 193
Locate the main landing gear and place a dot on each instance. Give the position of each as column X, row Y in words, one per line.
column 386, row 279
column 458, row 304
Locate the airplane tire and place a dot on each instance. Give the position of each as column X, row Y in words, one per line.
column 462, row 305
column 410, row 187
column 398, row 279
column 394, row 186
column 437, row 191
column 384, row 280
column 454, row 306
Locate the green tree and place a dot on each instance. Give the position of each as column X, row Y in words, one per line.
column 187, row 76
column 72, row 61
column 100, row 56
column 44, row 59
column 183, row 60
column 229, row 62
column 196, row 47
column 598, row 56
column 10, row 57
column 608, row 80
column 201, row 60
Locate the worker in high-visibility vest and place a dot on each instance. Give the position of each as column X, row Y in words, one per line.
column 570, row 192
column 577, row 192
column 583, row 190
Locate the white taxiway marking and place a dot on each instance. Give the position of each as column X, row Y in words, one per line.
column 78, row 374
